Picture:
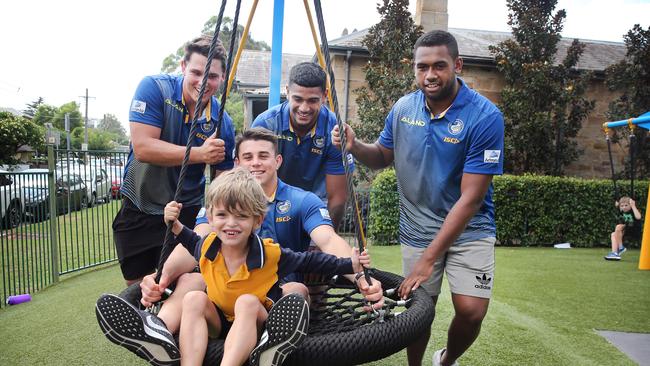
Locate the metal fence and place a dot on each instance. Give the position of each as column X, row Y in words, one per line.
column 56, row 218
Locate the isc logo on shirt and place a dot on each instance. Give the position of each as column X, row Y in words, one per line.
column 138, row 106
column 491, row 156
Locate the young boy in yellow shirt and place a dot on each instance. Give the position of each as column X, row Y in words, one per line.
column 241, row 272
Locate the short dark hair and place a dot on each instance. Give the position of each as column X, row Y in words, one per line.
column 255, row 134
column 308, row 75
column 438, row 38
column 201, row 45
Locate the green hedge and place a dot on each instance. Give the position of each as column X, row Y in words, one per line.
column 530, row 210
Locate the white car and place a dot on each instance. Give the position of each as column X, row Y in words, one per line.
column 11, row 202
column 98, row 184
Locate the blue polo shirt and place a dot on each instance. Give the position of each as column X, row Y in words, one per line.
column 291, row 216
column 431, row 155
column 158, row 102
column 306, row 160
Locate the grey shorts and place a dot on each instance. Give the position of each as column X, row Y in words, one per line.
column 469, row 267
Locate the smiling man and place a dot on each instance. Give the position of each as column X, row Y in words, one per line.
column 160, row 117
column 446, row 141
column 302, row 125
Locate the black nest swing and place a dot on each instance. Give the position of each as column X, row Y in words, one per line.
column 340, row 331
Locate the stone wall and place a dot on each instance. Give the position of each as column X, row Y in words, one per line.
column 593, row 163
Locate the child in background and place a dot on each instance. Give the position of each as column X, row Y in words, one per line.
column 629, row 223
column 241, row 272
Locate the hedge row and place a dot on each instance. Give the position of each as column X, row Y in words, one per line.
column 530, row 210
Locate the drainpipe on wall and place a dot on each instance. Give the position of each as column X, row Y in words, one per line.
column 346, row 85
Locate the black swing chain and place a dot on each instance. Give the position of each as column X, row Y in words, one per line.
column 346, row 164
column 168, row 242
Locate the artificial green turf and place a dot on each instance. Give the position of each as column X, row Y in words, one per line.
column 547, row 303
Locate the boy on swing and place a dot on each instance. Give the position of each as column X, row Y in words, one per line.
column 241, row 272
column 629, row 222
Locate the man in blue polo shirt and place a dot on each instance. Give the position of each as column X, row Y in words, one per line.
column 303, row 125
column 160, row 118
column 446, row 141
column 294, row 218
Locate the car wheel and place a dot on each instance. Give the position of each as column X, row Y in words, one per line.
column 84, row 202
column 13, row 215
column 93, row 200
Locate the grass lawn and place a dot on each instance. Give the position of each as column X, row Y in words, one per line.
column 547, row 303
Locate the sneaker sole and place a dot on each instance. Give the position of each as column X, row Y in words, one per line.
column 612, row 258
column 118, row 323
column 286, row 329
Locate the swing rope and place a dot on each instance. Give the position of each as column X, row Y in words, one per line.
column 358, row 224
column 168, row 243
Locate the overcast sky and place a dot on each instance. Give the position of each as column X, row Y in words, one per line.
column 57, row 49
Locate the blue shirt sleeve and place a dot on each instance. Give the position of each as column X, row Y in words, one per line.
column 312, row 262
column 485, row 151
column 386, row 136
column 191, row 241
column 147, row 103
column 314, row 213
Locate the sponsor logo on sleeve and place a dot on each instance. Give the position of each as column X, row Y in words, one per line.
column 491, row 156
column 201, row 213
column 138, row 106
column 325, row 214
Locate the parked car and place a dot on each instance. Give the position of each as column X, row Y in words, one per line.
column 71, row 195
column 98, row 184
column 115, row 174
column 11, row 202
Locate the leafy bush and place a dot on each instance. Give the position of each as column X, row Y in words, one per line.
column 384, row 209
column 530, row 210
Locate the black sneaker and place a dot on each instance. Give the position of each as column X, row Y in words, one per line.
column 286, row 328
column 138, row 331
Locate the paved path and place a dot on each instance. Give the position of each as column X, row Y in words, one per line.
column 635, row 345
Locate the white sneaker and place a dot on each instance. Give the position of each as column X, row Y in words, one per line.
column 438, row 356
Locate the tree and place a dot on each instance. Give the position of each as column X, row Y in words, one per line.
column 631, row 77
column 172, row 62
column 235, row 109
column 32, row 107
column 76, row 119
column 97, row 139
column 15, row 132
column 113, row 126
column 389, row 71
column 542, row 102
column 44, row 114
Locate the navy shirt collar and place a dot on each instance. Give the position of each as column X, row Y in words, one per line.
column 462, row 98
column 321, row 122
column 255, row 257
column 178, row 97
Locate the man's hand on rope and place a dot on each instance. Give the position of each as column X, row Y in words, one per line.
column 151, row 291
column 350, row 137
column 213, row 151
column 420, row 273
